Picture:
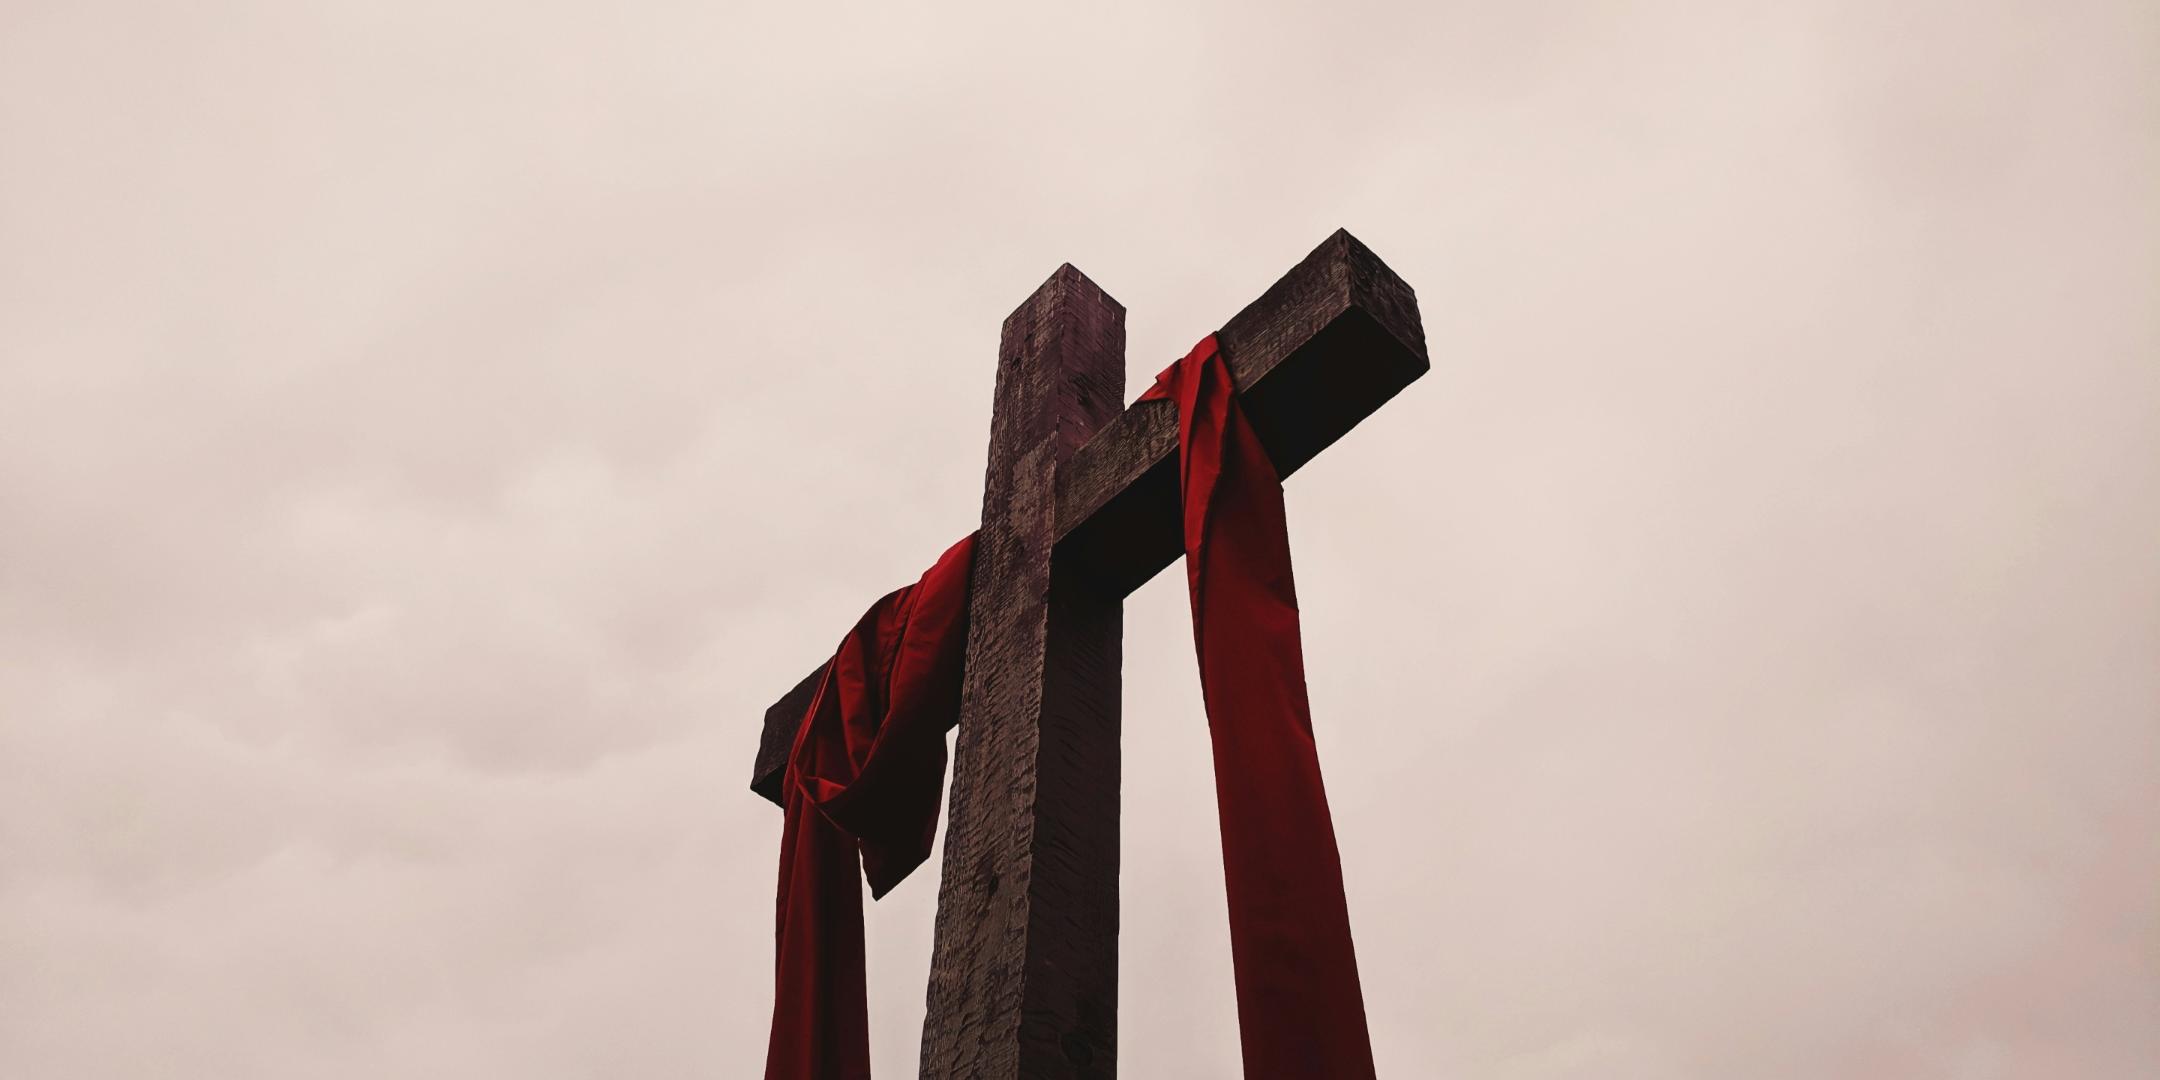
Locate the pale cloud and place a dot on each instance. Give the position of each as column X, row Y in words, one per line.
column 431, row 434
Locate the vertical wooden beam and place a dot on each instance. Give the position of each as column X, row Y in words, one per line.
column 1023, row 982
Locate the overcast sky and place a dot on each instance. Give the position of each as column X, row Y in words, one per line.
column 431, row 433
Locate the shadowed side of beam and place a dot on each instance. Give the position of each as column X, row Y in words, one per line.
column 1322, row 349
column 1326, row 345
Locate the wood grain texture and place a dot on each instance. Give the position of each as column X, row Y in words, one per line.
column 778, row 738
column 1024, row 976
column 1323, row 348
column 1326, row 345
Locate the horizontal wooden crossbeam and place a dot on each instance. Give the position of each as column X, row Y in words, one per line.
column 1320, row 350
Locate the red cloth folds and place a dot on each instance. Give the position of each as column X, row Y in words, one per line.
column 1301, row 1012
column 865, row 773
column 863, row 781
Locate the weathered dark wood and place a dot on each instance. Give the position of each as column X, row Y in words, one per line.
column 1024, row 977
column 1320, row 350
column 778, row 738
column 1080, row 508
column 1325, row 346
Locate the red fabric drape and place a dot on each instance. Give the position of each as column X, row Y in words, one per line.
column 1300, row 1010
column 863, row 781
column 869, row 760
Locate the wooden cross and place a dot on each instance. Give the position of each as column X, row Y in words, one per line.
column 1080, row 507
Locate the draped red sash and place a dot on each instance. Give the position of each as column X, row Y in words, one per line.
column 1301, row 1012
column 863, row 780
column 868, row 762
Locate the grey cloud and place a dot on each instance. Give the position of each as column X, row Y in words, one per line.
column 430, row 435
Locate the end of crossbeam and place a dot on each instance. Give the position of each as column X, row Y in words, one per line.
column 778, row 736
column 1324, row 347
